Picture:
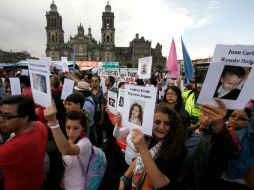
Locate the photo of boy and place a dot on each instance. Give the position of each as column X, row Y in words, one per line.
column 228, row 86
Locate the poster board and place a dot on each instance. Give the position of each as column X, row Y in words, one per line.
column 138, row 109
column 230, row 64
column 15, row 86
column 68, row 86
column 144, row 67
column 40, row 81
column 112, row 102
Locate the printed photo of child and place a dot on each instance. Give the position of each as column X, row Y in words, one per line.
column 144, row 69
column 39, row 82
column 136, row 114
column 121, row 101
column 112, row 102
column 228, row 86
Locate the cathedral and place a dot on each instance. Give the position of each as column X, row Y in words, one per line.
column 83, row 47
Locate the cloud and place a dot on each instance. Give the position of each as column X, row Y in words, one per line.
column 22, row 23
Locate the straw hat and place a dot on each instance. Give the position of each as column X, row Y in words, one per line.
column 83, row 86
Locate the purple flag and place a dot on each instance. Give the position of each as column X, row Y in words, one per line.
column 172, row 63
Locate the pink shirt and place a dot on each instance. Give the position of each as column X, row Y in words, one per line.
column 73, row 176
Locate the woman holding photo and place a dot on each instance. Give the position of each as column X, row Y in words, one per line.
column 160, row 157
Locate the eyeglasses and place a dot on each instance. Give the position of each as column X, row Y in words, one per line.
column 7, row 91
column 171, row 94
column 8, row 117
column 239, row 117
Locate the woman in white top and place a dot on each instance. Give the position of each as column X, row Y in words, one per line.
column 77, row 145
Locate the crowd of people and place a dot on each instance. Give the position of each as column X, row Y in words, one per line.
column 191, row 148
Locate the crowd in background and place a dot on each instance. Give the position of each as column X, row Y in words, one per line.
column 191, row 147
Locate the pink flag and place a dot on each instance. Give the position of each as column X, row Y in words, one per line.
column 172, row 63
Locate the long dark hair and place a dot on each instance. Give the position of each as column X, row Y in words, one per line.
column 173, row 144
column 179, row 100
column 140, row 113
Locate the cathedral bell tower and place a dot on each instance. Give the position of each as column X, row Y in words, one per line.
column 55, row 33
column 108, row 34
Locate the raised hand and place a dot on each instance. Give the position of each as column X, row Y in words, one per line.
column 216, row 114
column 118, row 119
column 138, row 140
column 50, row 114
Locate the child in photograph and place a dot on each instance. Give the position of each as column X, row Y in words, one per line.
column 121, row 101
column 136, row 114
column 230, row 79
column 111, row 102
column 144, row 69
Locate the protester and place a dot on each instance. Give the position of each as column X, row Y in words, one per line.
column 240, row 169
column 158, row 162
column 209, row 146
column 22, row 157
column 173, row 97
column 76, row 147
column 89, row 105
column 190, row 98
column 99, row 101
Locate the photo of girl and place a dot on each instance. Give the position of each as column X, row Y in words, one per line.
column 136, row 114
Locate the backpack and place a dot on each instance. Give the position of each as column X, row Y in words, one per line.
column 87, row 114
column 95, row 169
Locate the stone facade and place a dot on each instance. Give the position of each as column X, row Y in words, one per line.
column 13, row 57
column 85, row 48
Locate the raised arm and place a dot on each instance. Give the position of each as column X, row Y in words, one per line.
column 216, row 115
column 65, row 147
column 118, row 132
column 156, row 177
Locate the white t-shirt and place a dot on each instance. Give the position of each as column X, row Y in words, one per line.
column 130, row 151
column 73, row 177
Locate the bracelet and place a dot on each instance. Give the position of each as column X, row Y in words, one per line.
column 125, row 180
column 54, row 126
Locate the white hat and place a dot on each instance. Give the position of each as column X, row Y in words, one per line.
column 83, row 86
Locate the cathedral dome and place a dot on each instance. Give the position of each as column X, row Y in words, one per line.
column 53, row 7
column 108, row 8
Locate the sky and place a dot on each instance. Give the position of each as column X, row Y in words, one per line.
column 201, row 23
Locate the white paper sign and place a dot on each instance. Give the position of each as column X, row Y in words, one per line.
column 15, row 86
column 145, row 67
column 112, row 100
column 120, row 100
column 40, row 81
column 138, row 109
column 103, row 86
column 64, row 64
column 24, row 72
column 229, row 77
column 67, row 88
